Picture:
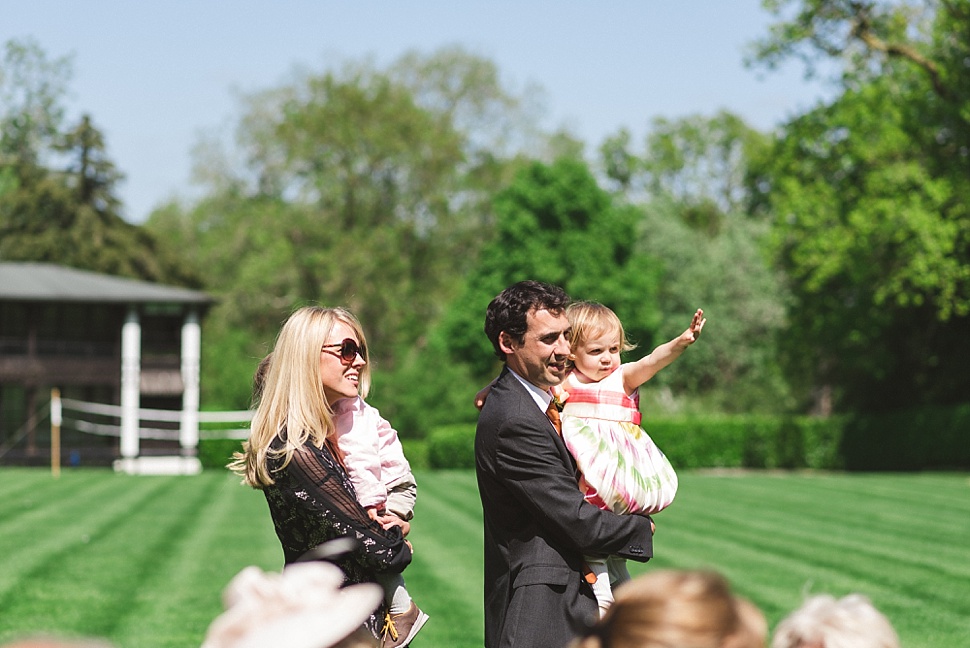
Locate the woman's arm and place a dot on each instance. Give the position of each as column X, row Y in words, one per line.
column 639, row 372
column 325, row 493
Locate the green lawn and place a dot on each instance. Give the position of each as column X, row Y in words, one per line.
column 142, row 560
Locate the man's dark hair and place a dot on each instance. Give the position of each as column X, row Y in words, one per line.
column 508, row 311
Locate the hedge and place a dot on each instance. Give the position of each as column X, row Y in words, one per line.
column 928, row 438
column 452, row 446
column 749, row 441
column 216, row 453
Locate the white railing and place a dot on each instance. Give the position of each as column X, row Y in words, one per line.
column 83, row 416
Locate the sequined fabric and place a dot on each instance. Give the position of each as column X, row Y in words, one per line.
column 313, row 501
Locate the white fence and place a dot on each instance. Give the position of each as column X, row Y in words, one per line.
column 87, row 417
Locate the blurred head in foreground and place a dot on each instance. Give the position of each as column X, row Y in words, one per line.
column 304, row 607
column 678, row 609
column 826, row 622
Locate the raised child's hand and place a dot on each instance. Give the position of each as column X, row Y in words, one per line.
column 694, row 330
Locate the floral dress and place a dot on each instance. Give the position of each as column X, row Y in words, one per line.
column 623, row 469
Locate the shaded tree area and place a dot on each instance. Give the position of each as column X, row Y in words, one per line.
column 553, row 224
column 355, row 187
column 57, row 184
column 689, row 180
column 869, row 200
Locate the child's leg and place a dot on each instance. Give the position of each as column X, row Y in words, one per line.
column 395, row 593
column 619, row 574
column 601, row 587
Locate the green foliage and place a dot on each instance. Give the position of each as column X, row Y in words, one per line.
column 555, row 224
column 749, row 441
column 358, row 191
column 868, row 196
column 416, row 451
column 32, row 89
column 734, row 366
column 452, row 446
column 57, row 201
column 216, row 453
column 425, row 390
column 918, row 439
column 693, row 171
column 229, row 360
column 700, row 162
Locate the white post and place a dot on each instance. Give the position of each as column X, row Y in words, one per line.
column 130, row 384
column 191, row 353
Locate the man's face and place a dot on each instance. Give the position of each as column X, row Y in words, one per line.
column 541, row 356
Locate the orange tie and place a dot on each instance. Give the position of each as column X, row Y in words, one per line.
column 553, row 413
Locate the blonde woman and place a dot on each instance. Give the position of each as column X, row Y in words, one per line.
column 292, row 454
column 677, row 609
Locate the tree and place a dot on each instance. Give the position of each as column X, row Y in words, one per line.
column 32, row 88
column 57, row 200
column 690, row 181
column 555, row 224
column 355, row 188
column 868, row 195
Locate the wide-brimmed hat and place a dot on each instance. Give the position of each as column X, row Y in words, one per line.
column 303, row 607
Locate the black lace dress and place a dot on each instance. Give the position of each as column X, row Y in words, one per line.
column 313, row 501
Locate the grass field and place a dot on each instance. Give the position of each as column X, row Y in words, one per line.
column 142, row 560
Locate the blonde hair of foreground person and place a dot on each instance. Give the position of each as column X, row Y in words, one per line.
column 826, row 622
column 291, row 395
column 678, row 609
column 304, row 607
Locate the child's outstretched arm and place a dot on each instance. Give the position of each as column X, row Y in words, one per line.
column 639, row 372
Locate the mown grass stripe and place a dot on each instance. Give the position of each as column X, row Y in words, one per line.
column 868, row 521
column 802, row 532
column 447, row 538
column 66, row 527
column 225, row 538
column 900, row 539
column 103, row 575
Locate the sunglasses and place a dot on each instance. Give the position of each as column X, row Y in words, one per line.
column 349, row 349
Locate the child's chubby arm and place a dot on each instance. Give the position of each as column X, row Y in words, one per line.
column 639, row 372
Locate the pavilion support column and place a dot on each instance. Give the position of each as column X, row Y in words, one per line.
column 191, row 354
column 130, row 383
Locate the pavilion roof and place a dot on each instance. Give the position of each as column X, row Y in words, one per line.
column 46, row 282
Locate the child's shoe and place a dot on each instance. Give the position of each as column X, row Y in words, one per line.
column 400, row 629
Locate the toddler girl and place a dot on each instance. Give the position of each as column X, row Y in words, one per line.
column 622, row 469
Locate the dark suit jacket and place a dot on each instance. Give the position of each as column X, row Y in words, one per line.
column 538, row 526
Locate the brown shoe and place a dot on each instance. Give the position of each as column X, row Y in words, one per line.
column 400, row 629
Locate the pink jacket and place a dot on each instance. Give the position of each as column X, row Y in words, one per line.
column 374, row 458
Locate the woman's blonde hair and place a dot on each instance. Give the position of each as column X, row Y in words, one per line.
column 678, row 609
column 589, row 320
column 290, row 395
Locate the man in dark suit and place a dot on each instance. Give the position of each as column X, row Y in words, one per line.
column 537, row 524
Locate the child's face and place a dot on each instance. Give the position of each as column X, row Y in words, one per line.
column 598, row 356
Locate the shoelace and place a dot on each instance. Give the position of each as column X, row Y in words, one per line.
column 389, row 627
